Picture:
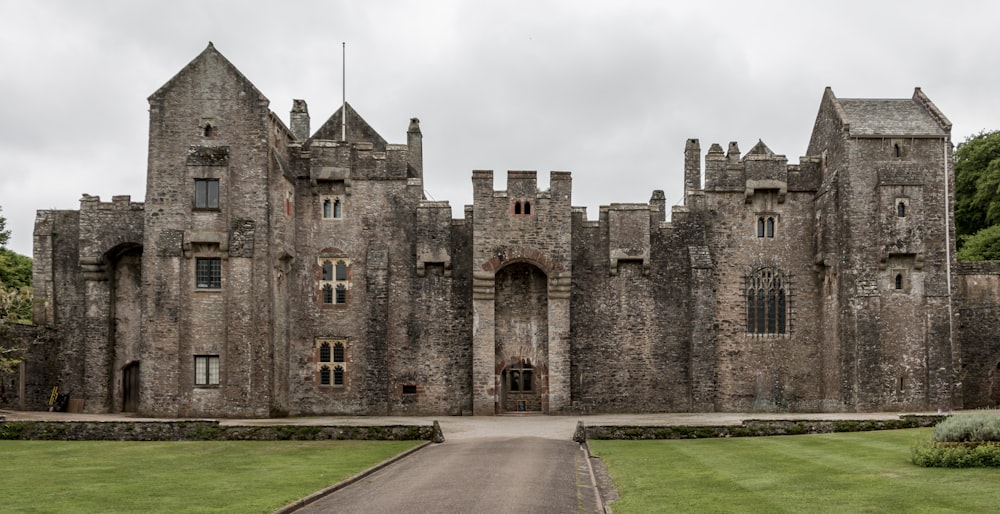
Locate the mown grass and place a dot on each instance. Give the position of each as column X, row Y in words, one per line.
column 230, row 476
column 844, row 472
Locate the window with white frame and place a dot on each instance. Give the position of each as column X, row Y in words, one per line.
column 206, row 370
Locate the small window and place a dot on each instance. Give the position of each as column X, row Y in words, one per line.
column 517, row 207
column 332, row 208
column 770, row 227
column 206, row 194
column 209, row 130
column 760, row 227
column 338, row 375
column 520, row 377
column 327, row 271
column 527, row 207
column 896, row 151
column 206, row 370
column 409, row 389
column 341, row 270
column 324, row 352
column 901, row 209
column 328, row 293
column 341, row 294
column 338, row 352
column 899, row 281
column 324, row 375
column 208, row 273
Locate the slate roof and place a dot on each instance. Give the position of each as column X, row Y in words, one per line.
column 889, row 117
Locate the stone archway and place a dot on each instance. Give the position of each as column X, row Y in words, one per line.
column 521, row 338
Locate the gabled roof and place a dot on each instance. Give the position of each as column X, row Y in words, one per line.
column 358, row 130
column 910, row 117
column 760, row 149
column 205, row 57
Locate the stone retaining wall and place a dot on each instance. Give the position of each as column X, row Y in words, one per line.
column 208, row 431
column 751, row 428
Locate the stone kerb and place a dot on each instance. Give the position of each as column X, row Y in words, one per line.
column 750, row 428
column 207, row 430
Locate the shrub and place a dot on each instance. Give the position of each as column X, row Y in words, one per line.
column 956, row 455
column 976, row 426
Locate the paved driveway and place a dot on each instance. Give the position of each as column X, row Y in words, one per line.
column 475, row 475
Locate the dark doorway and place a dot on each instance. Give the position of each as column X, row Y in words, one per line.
column 130, row 387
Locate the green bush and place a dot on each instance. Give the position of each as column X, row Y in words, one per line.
column 979, row 426
column 931, row 454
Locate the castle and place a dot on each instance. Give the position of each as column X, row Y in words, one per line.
column 276, row 271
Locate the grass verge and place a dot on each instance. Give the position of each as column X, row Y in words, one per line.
column 230, row 476
column 844, row 472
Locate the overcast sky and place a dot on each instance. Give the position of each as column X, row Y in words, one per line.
column 607, row 90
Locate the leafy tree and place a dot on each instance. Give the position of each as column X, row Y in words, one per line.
column 981, row 246
column 15, row 270
column 4, row 231
column 977, row 184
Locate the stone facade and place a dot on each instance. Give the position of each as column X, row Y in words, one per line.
column 275, row 271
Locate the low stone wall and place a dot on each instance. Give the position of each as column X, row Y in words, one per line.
column 209, row 431
column 751, row 428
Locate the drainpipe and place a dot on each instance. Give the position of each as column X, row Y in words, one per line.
column 955, row 362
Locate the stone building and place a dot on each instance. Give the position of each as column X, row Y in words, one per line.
column 274, row 270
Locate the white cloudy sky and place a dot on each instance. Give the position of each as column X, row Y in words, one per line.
column 607, row 90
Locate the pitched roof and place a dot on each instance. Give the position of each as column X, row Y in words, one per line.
column 357, row 129
column 889, row 117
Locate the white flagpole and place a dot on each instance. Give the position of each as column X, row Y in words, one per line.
column 343, row 91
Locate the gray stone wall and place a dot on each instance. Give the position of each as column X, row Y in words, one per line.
column 628, row 312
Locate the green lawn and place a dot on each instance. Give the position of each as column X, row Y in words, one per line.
column 232, row 476
column 847, row 472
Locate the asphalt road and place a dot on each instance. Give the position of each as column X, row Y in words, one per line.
column 491, row 475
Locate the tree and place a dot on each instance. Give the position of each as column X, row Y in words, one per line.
column 981, row 246
column 977, row 184
column 4, row 231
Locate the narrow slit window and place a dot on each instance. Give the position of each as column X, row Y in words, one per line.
column 337, row 208
column 901, row 209
column 899, row 281
column 327, row 208
column 770, row 227
column 760, row 227
column 517, row 207
column 896, row 151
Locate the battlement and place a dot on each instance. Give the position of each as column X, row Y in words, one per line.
column 117, row 203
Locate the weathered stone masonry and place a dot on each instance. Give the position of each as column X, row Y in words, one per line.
column 275, row 271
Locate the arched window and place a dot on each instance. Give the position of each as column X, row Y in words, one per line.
column 901, row 209
column 327, row 208
column 899, row 281
column 327, row 271
column 337, row 208
column 766, row 303
column 324, row 352
column 896, row 151
column 324, row 375
column 517, row 207
column 770, row 227
column 341, row 293
column 341, row 270
column 338, row 375
column 338, row 352
column 328, row 293
column 527, row 207
column 209, row 131
column 760, row 227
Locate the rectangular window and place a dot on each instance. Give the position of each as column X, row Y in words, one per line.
column 206, row 194
column 208, row 273
column 206, row 370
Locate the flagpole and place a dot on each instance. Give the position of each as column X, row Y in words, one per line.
column 343, row 91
